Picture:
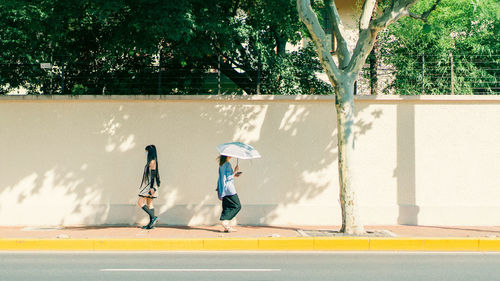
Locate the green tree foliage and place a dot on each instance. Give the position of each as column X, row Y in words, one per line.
column 464, row 33
column 20, row 27
column 119, row 47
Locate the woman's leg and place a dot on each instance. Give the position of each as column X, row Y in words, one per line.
column 230, row 207
column 153, row 218
column 237, row 204
column 149, row 202
column 142, row 203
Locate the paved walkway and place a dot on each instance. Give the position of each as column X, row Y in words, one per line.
column 243, row 231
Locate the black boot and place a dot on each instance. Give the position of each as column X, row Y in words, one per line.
column 151, row 214
column 153, row 219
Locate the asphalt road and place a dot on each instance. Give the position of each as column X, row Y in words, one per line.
column 241, row 266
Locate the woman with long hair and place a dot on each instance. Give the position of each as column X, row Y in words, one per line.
column 149, row 186
column 226, row 192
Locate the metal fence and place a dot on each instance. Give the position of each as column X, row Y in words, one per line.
column 424, row 74
column 455, row 74
column 78, row 78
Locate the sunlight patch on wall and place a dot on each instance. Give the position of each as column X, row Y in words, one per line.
column 170, row 197
column 127, row 143
column 321, row 177
column 12, row 196
column 249, row 129
column 110, row 147
column 299, row 214
column 47, row 200
column 292, row 115
column 110, row 127
column 202, row 212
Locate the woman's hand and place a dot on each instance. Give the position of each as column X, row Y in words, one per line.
column 151, row 191
column 237, row 172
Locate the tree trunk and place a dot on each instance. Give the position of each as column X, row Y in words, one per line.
column 280, row 46
column 344, row 93
column 280, row 43
column 342, row 76
column 242, row 80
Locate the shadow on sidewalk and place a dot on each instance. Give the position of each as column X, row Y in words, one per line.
column 182, row 227
column 98, row 227
column 461, row 229
column 212, row 228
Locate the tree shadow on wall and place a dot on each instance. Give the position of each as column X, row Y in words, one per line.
column 62, row 164
column 78, row 163
column 298, row 144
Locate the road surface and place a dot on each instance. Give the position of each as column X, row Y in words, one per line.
column 253, row 266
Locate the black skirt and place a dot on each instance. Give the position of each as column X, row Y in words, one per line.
column 230, row 207
column 147, row 183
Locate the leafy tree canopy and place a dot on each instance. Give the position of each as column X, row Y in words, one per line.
column 119, row 47
column 464, row 33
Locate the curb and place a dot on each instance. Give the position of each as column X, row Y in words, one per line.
column 256, row 244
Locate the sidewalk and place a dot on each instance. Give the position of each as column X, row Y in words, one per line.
column 130, row 232
column 105, row 238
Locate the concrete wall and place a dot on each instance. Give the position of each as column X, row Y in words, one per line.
column 78, row 161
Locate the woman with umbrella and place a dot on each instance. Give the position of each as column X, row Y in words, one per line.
column 226, row 189
column 227, row 192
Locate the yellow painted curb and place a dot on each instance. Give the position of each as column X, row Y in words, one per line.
column 284, row 244
column 66, row 245
column 264, row 244
column 122, row 245
column 451, row 244
column 489, row 244
column 341, row 244
column 230, row 244
column 176, row 244
column 18, row 244
column 396, row 244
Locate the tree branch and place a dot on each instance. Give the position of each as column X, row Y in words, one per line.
column 366, row 14
column 243, row 51
column 423, row 17
column 338, row 29
column 280, row 42
column 243, row 80
column 396, row 10
column 219, row 51
column 367, row 37
column 309, row 18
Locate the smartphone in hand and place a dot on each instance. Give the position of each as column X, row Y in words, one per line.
column 238, row 174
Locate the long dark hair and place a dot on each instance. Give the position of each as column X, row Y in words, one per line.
column 222, row 159
column 152, row 155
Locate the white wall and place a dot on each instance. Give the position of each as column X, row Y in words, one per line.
column 78, row 160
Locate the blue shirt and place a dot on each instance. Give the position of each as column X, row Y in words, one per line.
column 225, row 184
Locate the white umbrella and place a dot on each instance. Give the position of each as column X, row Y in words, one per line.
column 238, row 150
